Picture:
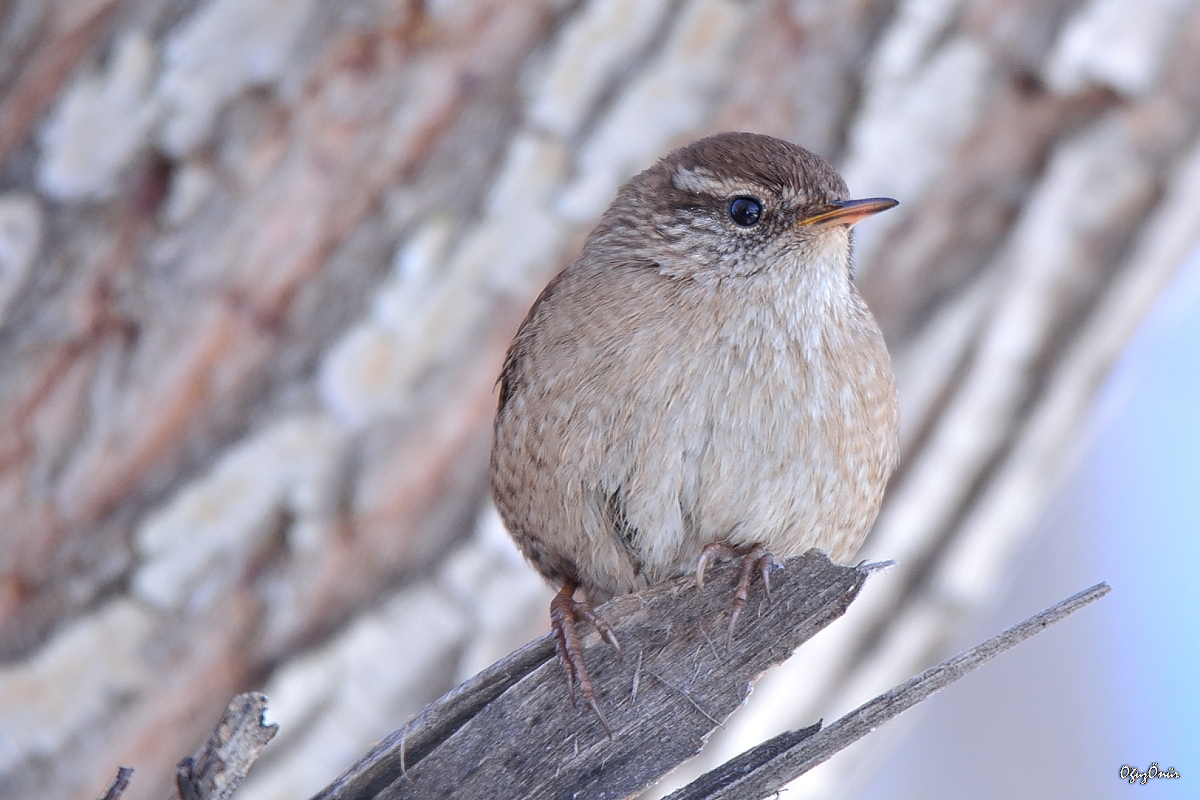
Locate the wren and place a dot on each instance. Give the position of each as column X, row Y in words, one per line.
column 704, row 379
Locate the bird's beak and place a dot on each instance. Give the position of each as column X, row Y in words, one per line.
column 848, row 212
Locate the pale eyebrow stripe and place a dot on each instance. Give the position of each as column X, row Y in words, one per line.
column 699, row 180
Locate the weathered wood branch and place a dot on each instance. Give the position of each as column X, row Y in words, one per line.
column 767, row 768
column 117, row 787
column 512, row 731
column 221, row 763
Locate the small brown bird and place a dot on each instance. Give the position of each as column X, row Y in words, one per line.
column 704, row 379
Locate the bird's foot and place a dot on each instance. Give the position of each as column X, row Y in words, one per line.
column 754, row 559
column 565, row 612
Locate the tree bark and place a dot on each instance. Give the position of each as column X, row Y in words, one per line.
column 259, row 263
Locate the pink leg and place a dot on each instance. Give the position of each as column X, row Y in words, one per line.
column 565, row 612
column 755, row 559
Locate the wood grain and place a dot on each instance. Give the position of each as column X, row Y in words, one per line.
column 512, row 731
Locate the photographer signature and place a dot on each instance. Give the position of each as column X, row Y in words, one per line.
column 1153, row 771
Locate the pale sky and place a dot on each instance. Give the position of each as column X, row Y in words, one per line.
column 1118, row 683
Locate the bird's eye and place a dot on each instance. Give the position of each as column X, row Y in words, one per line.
column 745, row 211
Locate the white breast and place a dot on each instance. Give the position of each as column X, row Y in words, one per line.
column 761, row 411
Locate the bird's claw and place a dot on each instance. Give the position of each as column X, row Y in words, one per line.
column 565, row 612
column 756, row 559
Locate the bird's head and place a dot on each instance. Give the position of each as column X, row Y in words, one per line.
column 734, row 204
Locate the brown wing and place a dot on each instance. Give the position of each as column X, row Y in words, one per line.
column 510, row 374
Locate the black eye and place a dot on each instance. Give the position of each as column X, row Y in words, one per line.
column 745, row 211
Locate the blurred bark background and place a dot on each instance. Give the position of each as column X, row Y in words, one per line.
column 259, row 262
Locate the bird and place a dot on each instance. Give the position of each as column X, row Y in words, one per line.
column 704, row 381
